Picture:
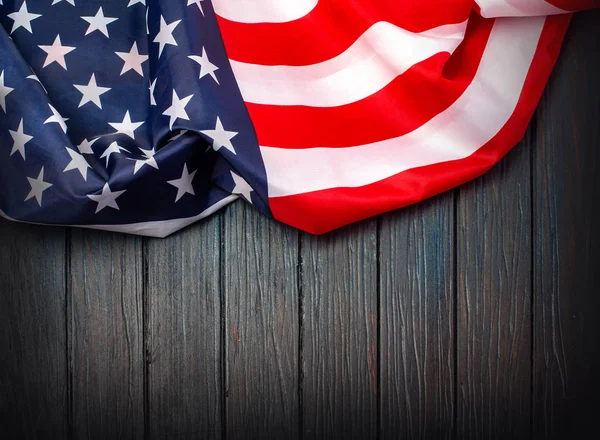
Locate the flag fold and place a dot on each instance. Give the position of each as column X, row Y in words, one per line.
column 144, row 116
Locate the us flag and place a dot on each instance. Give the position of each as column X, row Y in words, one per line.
column 144, row 116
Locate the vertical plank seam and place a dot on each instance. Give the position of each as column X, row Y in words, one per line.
column 455, row 196
column 300, row 289
column 378, row 334
column 68, row 333
column 145, row 337
column 378, row 344
column 533, row 217
column 223, row 312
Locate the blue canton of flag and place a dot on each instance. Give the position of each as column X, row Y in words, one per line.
column 121, row 115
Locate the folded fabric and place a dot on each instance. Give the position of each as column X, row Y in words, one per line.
column 144, row 116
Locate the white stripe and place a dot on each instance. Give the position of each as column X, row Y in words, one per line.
column 159, row 229
column 470, row 122
column 263, row 11
column 378, row 56
column 517, row 8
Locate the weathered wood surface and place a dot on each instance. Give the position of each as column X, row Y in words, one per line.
column 34, row 378
column 493, row 341
column 183, row 334
column 261, row 326
column 417, row 320
column 339, row 291
column 104, row 294
column 470, row 315
column 566, row 245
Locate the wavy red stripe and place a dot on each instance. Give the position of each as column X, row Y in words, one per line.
column 322, row 211
column 439, row 80
column 330, row 28
column 575, row 5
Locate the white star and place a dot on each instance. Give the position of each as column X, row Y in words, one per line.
column 241, row 187
column 34, row 77
column 152, row 86
column 133, row 60
column 177, row 109
column 78, row 162
column 126, row 127
column 19, row 140
column 165, row 35
column 134, row 2
column 99, row 22
column 91, row 92
column 112, row 148
column 206, row 67
column 72, row 2
column 23, row 18
column 149, row 160
column 56, row 53
column 221, row 137
column 197, row 3
column 38, row 186
column 85, row 147
column 56, row 117
column 106, row 199
column 4, row 91
column 184, row 183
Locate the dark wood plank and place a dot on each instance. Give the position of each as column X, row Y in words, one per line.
column 33, row 342
column 339, row 288
column 184, row 341
column 494, row 301
column 106, row 335
column 417, row 320
column 567, row 240
column 261, row 325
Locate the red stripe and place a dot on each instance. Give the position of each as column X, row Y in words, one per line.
column 575, row 5
column 439, row 80
column 322, row 211
column 330, row 28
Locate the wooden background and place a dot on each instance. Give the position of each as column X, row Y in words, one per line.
column 475, row 314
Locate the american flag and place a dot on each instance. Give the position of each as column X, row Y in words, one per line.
column 143, row 116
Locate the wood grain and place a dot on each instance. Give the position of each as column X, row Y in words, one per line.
column 106, row 335
column 494, row 300
column 261, row 325
column 473, row 320
column 184, row 340
column 339, row 288
column 567, row 240
column 417, row 320
column 33, row 360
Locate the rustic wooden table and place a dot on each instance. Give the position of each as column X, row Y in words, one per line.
column 475, row 314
